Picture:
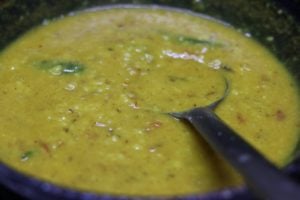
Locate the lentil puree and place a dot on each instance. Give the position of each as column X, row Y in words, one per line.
column 83, row 99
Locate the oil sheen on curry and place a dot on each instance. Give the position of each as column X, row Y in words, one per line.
column 84, row 97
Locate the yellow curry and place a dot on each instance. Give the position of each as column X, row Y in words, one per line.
column 84, row 97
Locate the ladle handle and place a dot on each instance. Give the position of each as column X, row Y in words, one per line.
column 266, row 180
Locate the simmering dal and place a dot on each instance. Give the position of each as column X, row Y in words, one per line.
column 84, row 97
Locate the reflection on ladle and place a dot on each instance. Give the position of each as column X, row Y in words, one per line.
column 263, row 178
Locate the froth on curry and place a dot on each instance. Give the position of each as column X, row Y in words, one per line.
column 84, row 97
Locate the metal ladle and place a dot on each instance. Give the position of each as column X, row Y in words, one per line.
column 264, row 179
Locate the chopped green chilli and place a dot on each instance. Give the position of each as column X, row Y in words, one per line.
column 27, row 155
column 57, row 67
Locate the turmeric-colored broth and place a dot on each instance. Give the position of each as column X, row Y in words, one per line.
column 83, row 99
